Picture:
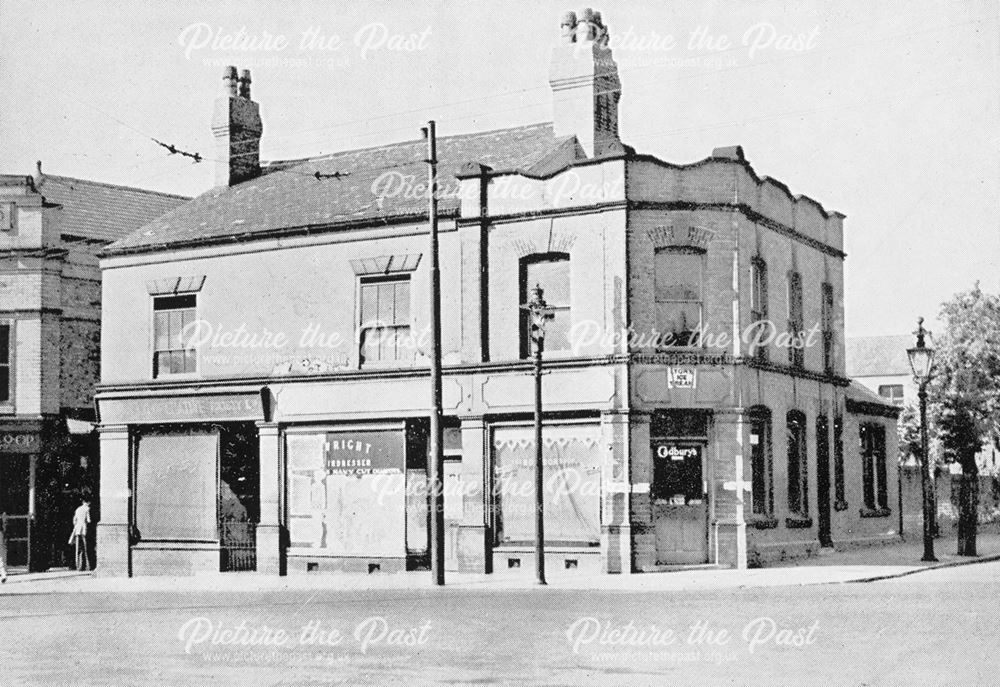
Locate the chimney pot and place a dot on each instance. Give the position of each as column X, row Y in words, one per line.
column 568, row 27
column 229, row 81
column 237, row 128
column 245, row 84
column 585, row 85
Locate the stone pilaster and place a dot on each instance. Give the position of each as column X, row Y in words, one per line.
column 730, row 476
column 113, row 540
column 616, row 530
column 475, row 545
column 270, row 548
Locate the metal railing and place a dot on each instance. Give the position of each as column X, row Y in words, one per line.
column 238, row 540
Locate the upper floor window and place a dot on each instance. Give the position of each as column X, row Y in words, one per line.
column 758, row 305
column 385, row 321
column 873, row 469
column 827, row 316
column 796, row 353
column 762, row 489
column 550, row 271
column 892, row 392
column 678, row 275
column 172, row 352
column 6, row 378
column 798, row 475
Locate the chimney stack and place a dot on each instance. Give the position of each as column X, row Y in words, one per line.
column 585, row 85
column 237, row 128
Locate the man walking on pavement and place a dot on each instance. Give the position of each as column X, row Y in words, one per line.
column 81, row 519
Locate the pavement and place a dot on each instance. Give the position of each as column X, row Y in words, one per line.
column 830, row 567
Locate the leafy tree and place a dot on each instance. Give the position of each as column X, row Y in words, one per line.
column 965, row 393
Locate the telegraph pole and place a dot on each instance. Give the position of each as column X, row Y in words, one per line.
column 437, row 412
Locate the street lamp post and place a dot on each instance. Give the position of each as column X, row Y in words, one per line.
column 921, row 359
column 539, row 313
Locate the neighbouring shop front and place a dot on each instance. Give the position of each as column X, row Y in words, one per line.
column 679, row 492
column 193, row 466
column 572, row 459
column 357, row 496
column 46, row 468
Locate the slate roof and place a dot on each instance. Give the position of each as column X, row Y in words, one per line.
column 879, row 356
column 289, row 196
column 107, row 212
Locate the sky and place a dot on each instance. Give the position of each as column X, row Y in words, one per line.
column 888, row 111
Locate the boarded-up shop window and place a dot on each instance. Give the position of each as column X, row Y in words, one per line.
column 176, row 486
column 572, row 499
column 347, row 492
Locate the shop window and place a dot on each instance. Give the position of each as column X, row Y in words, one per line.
column 571, row 456
column 6, row 378
column 761, row 461
column 550, row 271
column 873, row 467
column 892, row 392
column 678, row 275
column 172, row 352
column 798, row 475
column 827, row 325
column 838, row 463
column 175, row 486
column 385, row 321
column 348, row 491
column 758, row 307
column 796, row 353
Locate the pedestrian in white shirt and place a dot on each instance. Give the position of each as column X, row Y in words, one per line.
column 81, row 519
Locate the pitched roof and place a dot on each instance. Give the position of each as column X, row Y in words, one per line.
column 107, row 212
column 288, row 195
column 878, row 356
column 861, row 399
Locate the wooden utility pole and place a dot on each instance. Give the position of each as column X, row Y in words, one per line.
column 437, row 411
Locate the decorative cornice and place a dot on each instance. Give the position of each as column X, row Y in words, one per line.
column 746, row 211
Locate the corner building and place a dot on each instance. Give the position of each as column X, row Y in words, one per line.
column 265, row 394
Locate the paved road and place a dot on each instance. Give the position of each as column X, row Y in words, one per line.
column 900, row 631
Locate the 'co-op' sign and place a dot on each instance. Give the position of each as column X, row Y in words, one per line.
column 17, row 441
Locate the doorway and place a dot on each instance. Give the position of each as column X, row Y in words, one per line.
column 16, row 495
column 239, row 497
column 823, row 478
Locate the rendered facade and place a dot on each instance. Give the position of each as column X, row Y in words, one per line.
column 265, row 387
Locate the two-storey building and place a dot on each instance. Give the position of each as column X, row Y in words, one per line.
column 51, row 228
column 265, row 395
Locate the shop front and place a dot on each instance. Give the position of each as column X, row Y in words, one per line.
column 357, row 496
column 46, row 469
column 679, row 492
column 191, row 497
column 572, row 459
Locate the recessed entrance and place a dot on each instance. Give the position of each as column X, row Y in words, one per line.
column 678, row 494
column 15, row 500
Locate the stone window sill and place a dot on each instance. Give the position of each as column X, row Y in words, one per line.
column 876, row 513
column 798, row 523
column 763, row 522
column 840, row 505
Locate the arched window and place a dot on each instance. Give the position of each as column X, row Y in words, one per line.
column 678, row 276
column 551, row 272
column 798, row 475
column 761, row 461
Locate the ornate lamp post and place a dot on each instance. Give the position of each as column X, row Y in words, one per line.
column 539, row 313
column 921, row 359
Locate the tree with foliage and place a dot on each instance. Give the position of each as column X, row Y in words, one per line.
column 965, row 394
